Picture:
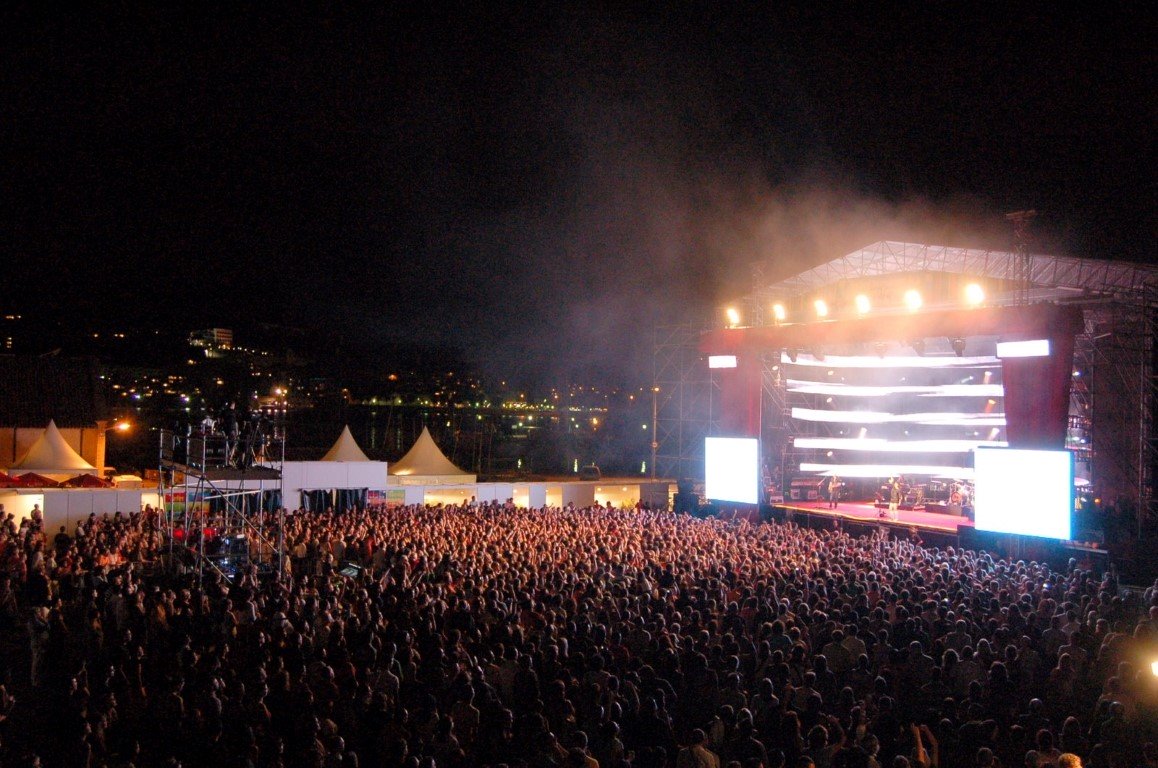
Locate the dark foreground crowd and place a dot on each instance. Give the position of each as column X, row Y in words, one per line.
column 502, row 636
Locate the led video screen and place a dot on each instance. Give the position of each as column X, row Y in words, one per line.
column 1024, row 492
column 732, row 469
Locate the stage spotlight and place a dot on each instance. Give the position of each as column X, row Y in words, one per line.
column 880, row 348
column 863, row 305
column 974, row 294
column 919, row 347
column 779, row 312
column 821, row 307
column 958, row 346
column 791, row 354
column 733, row 316
column 913, row 299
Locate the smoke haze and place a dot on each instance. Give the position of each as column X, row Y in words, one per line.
column 541, row 190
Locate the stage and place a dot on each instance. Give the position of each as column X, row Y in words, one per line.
column 867, row 513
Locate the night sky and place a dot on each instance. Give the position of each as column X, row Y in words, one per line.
column 542, row 185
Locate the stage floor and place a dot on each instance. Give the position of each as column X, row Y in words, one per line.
column 868, row 513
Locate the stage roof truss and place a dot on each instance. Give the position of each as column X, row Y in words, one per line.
column 1080, row 276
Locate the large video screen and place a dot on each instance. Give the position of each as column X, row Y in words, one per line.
column 1024, row 492
column 731, row 471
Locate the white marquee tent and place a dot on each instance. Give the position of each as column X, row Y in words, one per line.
column 53, row 457
column 345, row 448
column 426, row 464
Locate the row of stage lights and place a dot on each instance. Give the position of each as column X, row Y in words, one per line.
column 974, row 296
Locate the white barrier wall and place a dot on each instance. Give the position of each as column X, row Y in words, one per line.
column 579, row 494
column 19, row 505
column 325, row 475
column 68, row 507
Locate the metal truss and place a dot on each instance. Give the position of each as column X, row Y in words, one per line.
column 205, row 469
column 1079, row 276
column 683, row 389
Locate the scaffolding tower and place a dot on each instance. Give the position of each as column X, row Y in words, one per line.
column 223, row 502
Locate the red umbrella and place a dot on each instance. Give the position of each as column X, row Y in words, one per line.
column 33, row 480
column 86, row 481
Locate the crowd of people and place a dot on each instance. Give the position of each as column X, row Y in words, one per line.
column 494, row 635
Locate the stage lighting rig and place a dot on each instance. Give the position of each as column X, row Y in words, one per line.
column 791, row 352
column 958, row 345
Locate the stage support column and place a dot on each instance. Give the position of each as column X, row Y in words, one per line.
column 739, row 405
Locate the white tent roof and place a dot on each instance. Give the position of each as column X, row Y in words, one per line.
column 51, row 454
column 424, row 459
column 345, row 449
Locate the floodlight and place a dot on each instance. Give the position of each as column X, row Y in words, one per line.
column 863, row 305
column 913, row 299
column 733, row 316
column 779, row 312
column 974, row 294
column 821, row 307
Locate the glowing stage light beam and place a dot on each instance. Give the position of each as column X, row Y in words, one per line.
column 863, row 305
column 905, row 361
column 883, row 445
column 933, row 390
column 879, row 417
column 974, row 294
column 888, row 470
column 913, row 300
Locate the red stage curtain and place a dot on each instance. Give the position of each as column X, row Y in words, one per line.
column 1037, row 396
column 738, row 407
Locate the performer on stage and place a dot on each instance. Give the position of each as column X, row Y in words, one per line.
column 896, row 494
column 834, row 486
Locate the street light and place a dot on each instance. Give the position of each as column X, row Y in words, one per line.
column 654, row 436
column 102, row 435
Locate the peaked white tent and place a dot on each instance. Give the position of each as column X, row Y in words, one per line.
column 53, row 457
column 426, row 464
column 345, row 448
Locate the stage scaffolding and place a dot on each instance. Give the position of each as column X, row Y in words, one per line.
column 227, row 490
column 1113, row 399
column 683, row 387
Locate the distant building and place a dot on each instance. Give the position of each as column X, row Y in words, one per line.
column 213, row 340
column 9, row 325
